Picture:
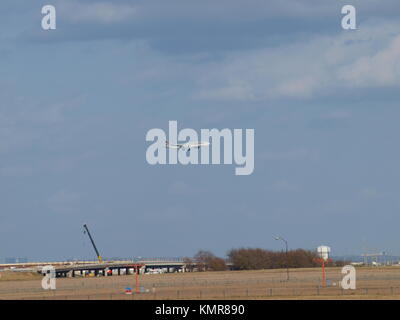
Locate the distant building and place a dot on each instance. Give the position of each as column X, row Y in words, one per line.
column 15, row 260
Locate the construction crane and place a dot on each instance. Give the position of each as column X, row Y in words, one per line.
column 94, row 246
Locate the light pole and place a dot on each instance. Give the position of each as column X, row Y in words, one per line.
column 287, row 258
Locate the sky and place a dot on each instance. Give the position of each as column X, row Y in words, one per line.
column 76, row 104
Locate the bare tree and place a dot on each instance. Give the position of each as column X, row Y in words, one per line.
column 253, row 259
column 203, row 259
column 190, row 264
column 217, row 264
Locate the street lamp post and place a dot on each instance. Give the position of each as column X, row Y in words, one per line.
column 287, row 258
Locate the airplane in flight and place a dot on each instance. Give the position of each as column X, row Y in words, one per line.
column 187, row 146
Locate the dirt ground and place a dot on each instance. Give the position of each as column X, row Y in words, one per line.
column 372, row 283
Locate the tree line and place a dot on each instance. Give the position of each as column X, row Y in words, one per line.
column 256, row 259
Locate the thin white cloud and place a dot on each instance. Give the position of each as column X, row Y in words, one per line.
column 97, row 12
column 337, row 115
column 321, row 66
column 25, row 121
column 290, row 155
column 381, row 69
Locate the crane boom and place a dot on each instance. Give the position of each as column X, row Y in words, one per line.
column 94, row 246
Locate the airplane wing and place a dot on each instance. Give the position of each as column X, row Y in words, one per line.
column 173, row 146
column 186, row 146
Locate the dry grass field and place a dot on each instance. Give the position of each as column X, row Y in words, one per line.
column 372, row 283
column 18, row 276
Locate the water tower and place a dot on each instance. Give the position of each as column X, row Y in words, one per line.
column 323, row 252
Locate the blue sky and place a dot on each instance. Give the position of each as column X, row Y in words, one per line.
column 76, row 104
